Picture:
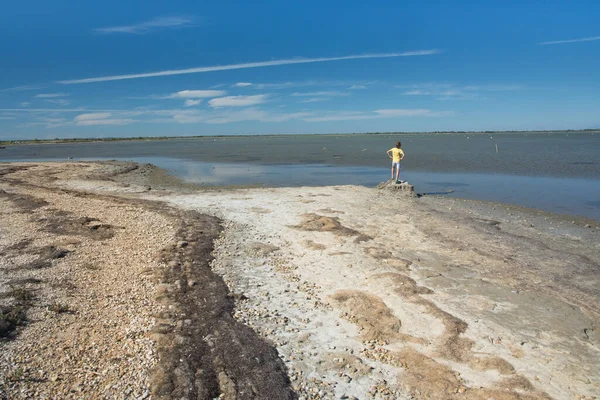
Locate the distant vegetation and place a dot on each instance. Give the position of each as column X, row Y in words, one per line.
column 115, row 139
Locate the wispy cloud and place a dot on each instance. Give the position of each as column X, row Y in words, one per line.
column 49, row 95
column 586, row 39
column 238, row 101
column 246, row 114
column 160, row 23
column 286, row 85
column 195, row 94
column 100, row 119
column 451, row 91
column 321, row 93
column 21, row 88
column 259, row 64
column 408, row 112
column 190, row 102
column 315, row 99
column 60, row 102
column 384, row 113
column 214, row 115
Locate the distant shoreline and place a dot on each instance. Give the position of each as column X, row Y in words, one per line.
column 154, row 138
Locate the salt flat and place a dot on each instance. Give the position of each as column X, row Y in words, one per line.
column 368, row 293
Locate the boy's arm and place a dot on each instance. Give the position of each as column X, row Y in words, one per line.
column 401, row 155
column 388, row 153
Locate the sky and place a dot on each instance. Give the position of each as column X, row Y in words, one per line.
column 72, row 68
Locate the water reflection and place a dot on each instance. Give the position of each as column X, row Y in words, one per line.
column 561, row 195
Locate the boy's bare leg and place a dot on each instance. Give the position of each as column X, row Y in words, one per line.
column 397, row 173
column 392, row 172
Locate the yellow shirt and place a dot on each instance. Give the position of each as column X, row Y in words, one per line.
column 396, row 154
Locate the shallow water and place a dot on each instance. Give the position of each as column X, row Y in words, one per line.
column 552, row 172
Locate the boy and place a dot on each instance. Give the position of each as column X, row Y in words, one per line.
column 396, row 155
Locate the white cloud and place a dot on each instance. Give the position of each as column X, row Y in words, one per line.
column 25, row 104
column 322, row 93
column 50, row 95
column 92, row 116
column 315, row 99
column 243, row 84
column 259, row 64
column 451, row 91
column 190, row 103
column 100, row 119
column 410, row 112
column 22, row 88
column 238, row 101
column 152, row 25
column 354, row 87
column 246, row 114
column 109, row 121
column 384, row 113
column 60, row 102
column 282, row 85
column 195, row 94
column 586, row 39
column 341, row 116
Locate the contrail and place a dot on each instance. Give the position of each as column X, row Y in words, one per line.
column 246, row 65
column 586, row 39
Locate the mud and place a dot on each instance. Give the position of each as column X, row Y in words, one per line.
column 320, row 223
column 374, row 318
column 25, row 203
column 67, row 224
column 212, row 353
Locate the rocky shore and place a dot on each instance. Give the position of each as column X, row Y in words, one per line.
column 118, row 281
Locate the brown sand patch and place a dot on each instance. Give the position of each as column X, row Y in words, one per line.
column 451, row 345
column 378, row 253
column 399, row 263
column 426, row 378
column 403, row 285
column 347, row 364
column 25, row 202
column 10, row 169
column 261, row 249
column 309, row 244
column 67, row 224
column 497, row 363
column 17, row 247
column 11, row 316
column 45, row 257
column 319, row 223
column 374, row 318
column 330, row 210
column 260, row 210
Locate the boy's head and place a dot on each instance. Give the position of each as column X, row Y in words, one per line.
column 398, row 145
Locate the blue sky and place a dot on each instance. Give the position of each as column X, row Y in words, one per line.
column 165, row 68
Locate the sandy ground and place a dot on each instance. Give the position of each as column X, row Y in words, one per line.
column 369, row 293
